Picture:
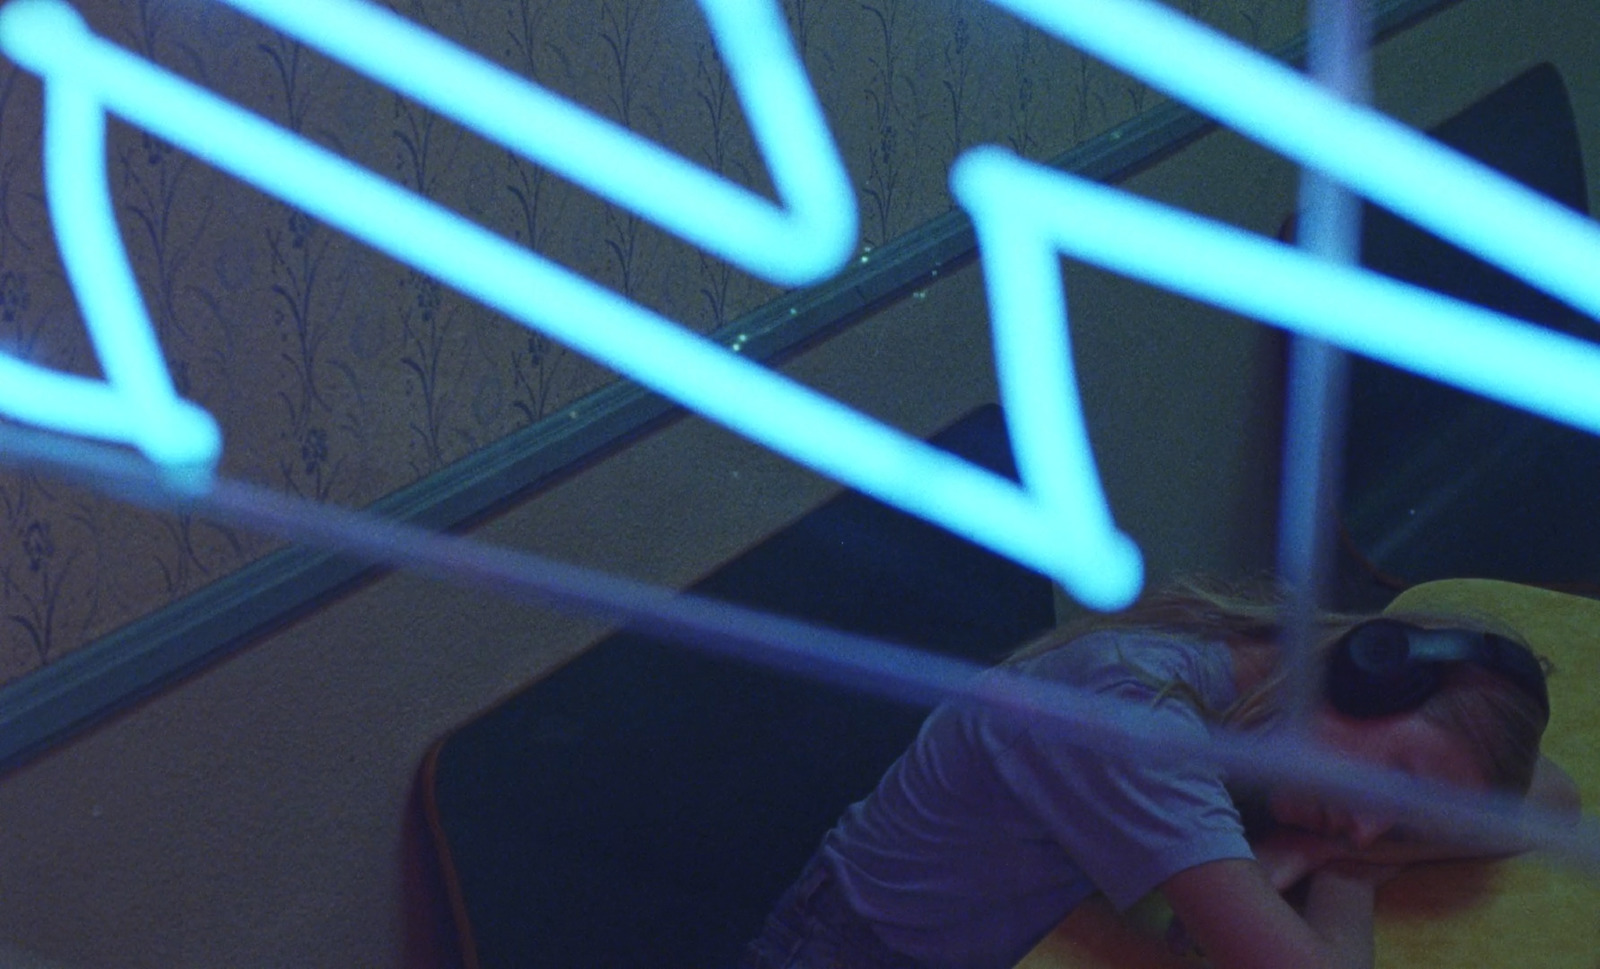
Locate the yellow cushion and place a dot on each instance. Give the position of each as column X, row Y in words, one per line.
column 1524, row 912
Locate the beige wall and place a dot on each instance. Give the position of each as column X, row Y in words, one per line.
column 341, row 375
column 262, row 813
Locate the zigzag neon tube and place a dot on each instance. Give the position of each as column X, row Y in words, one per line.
column 139, row 406
column 803, row 244
column 1072, row 541
column 1027, row 214
column 1462, row 200
column 1059, row 522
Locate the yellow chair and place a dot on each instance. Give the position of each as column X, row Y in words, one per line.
column 1527, row 912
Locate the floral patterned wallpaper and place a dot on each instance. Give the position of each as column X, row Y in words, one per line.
column 341, row 376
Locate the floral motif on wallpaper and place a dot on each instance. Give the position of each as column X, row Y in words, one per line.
column 341, row 376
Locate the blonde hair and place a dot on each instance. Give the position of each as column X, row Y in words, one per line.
column 1498, row 720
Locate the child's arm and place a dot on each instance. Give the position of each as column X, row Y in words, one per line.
column 1339, row 905
column 1289, row 855
column 1241, row 922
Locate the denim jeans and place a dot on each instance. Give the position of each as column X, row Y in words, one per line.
column 814, row 927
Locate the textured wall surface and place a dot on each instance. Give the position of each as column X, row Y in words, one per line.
column 261, row 813
column 340, row 375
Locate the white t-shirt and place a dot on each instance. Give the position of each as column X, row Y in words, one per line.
column 991, row 828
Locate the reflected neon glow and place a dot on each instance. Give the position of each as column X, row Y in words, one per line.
column 1025, row 215
column 1099, row 565
column 1470, row 204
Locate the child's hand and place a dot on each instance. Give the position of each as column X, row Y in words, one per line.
column 1290, row 854
column 1371, row 874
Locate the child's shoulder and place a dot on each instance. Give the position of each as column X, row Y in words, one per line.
column 1106, row 658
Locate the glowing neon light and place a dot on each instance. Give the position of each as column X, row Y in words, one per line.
column 139, row 405
column 1460, row 199
column 805, row 242
column 1058, row 522
column 1027, row 214
column 1059, row 538
column 802, row 244
column 1025, row 217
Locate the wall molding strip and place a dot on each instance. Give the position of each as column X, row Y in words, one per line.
column 138, row 660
